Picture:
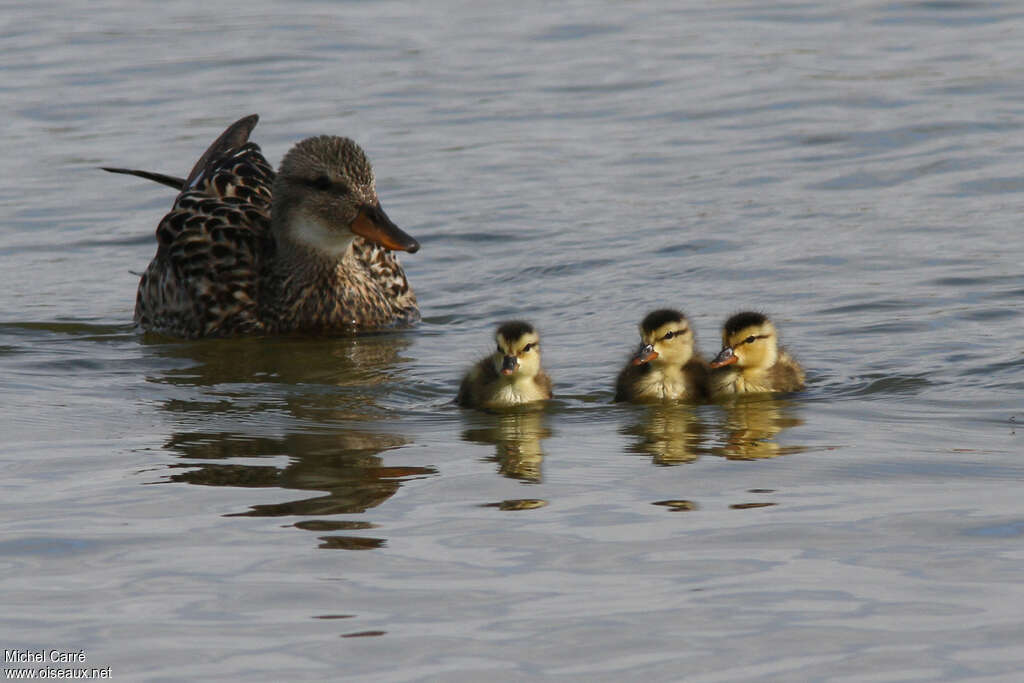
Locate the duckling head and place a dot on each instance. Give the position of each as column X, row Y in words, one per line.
column 749, row 341
column 518, row 352
column 666, row 338
column 324, row 195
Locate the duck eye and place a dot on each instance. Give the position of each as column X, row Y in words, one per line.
column 669, row 335
column 528, row 347
column 499, row 349
column 321, row 182
column 749, row 340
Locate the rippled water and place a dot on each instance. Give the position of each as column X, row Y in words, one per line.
column 313, row 508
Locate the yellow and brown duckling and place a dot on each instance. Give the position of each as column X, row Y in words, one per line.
column 510, row 376
column 751, row 360
column 247, row 251
column 666, row 366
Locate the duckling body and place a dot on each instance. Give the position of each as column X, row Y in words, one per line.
column 511, row 376
column 245, row 250
column 751, row 360
column 665, row 367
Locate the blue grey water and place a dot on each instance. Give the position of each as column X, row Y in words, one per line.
column 304, row 509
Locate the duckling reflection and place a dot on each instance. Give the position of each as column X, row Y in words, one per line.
column 665, row 367
column 671, row 434
column 516, row 436
column 751, row 360
column 510, row 376
column 751, row 425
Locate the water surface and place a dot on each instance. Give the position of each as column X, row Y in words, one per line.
column 313, row 508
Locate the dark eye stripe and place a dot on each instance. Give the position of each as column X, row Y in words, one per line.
column 324, row 184
column 321, row 182
column 676, row 333
column 752, row 338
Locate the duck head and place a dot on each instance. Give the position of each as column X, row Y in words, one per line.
column 749, row 341
column 324, row 195
column 518, row 350
column 666, row 338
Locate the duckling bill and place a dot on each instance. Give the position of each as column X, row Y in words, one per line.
column 245, row 250
column 510, row 376
column 751, row 360
column 665, row 366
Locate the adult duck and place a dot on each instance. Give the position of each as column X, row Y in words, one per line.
column 245, row 250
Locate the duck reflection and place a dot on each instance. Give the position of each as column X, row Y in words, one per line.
column 344, row 466
column 751, row 424
column 340, row 361
column 516, row 435
column 671, row 433
column 327, row 396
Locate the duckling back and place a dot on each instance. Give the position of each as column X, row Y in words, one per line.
column 644, row 383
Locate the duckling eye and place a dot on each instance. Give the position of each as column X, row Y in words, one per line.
column 669, row 335
column 749, row 340
column 529, row 346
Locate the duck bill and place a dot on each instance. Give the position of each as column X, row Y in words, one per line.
column 724, row 357
column 645, row 355
column 509, row 364
column 372, row 223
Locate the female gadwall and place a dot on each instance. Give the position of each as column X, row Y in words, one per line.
column 247, row 251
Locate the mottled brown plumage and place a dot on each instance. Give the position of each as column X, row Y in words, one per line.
column 665, row 367
column 247, row 251
column 751, row 360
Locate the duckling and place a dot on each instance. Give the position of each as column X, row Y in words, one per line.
column 665, row 367
column 510, row 376
column 247, row 251
column 751, row 360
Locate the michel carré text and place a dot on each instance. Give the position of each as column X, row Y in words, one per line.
column 27, row 656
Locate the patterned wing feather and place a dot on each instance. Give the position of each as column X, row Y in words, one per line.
column 204, row 280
